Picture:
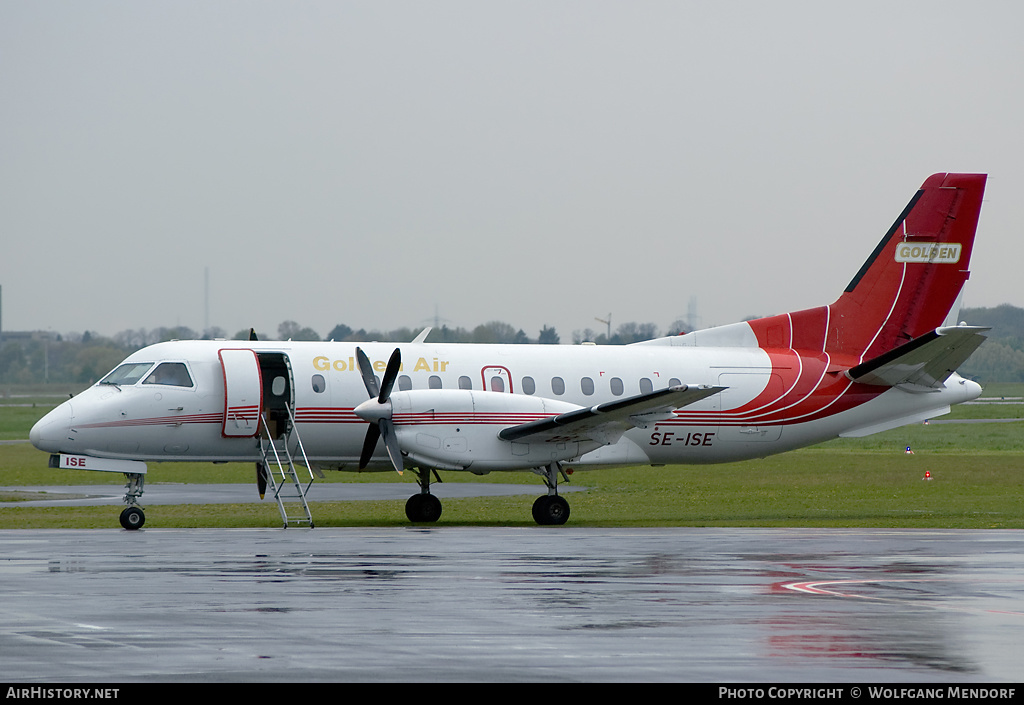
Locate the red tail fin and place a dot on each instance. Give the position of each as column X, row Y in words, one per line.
column 906, row 288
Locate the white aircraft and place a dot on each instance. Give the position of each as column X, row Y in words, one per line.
column 882, row 356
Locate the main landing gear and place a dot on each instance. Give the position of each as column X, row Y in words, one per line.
column 551, row 509
column 548, row 510
column 423, row 508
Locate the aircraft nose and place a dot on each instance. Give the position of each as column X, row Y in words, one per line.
column 51, row 432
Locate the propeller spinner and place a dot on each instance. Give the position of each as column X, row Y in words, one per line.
column 377, row 409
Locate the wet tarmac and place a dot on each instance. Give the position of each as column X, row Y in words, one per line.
column 505, row 605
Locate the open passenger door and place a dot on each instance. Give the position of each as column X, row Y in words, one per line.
column 243, row 393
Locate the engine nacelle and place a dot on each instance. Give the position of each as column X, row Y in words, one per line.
column 454, row 429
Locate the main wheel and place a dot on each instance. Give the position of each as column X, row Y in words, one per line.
column 133, row 518
column 550, row 510
column 423, row 509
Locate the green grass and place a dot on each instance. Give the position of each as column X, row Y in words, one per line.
column 977, row 471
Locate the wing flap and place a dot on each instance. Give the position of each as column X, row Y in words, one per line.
column 605, row 423
column 926, row 361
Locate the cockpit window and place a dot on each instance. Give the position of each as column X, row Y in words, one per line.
column 129, row 373
column 174, row 374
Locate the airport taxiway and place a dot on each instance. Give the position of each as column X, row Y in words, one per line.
column 510, row 604
column 172, row 493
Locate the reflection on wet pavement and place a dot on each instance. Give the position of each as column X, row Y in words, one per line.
column 511, row 605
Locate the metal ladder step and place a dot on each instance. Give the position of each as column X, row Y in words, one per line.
column 282, row 475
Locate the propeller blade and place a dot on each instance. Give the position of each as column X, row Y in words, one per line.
column 366, row 370
column 252, row 334
column 369, row 444
column 261, row 479
column 379, row 413
column 391, row 443
column 390, row 374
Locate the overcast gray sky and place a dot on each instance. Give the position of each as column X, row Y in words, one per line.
column 537, row 163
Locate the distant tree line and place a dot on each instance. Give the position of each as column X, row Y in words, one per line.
column 39, row 357
column 492, row 332
column 1001, row 357
column 82, row 358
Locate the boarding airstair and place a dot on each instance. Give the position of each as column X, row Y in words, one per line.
column 284, row 479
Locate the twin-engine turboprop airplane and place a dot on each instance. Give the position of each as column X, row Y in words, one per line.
column 883, row 355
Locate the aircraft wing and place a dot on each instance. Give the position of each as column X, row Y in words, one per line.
column 926, row 361
column 605, row 423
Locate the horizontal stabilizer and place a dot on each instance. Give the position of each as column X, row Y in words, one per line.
column 926, row 361
column 606, row 422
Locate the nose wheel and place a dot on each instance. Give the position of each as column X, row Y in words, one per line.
column 133, row 518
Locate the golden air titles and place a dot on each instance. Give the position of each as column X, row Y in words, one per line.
column 423, row 364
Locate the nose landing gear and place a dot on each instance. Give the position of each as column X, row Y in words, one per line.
column 132, row 518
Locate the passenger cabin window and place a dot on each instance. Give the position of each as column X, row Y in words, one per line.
column 674, row 382
column 434, row 382
column 497, row 384
column 404, row 383
column 529, row 386
column 319, row 384
column 172, row 374
column 587, row 386
column 558, row 386
column 465, row 382
column 616, row 385
column 646, row 386
column 127, row 374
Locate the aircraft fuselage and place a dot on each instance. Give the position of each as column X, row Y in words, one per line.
column 774, row 400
